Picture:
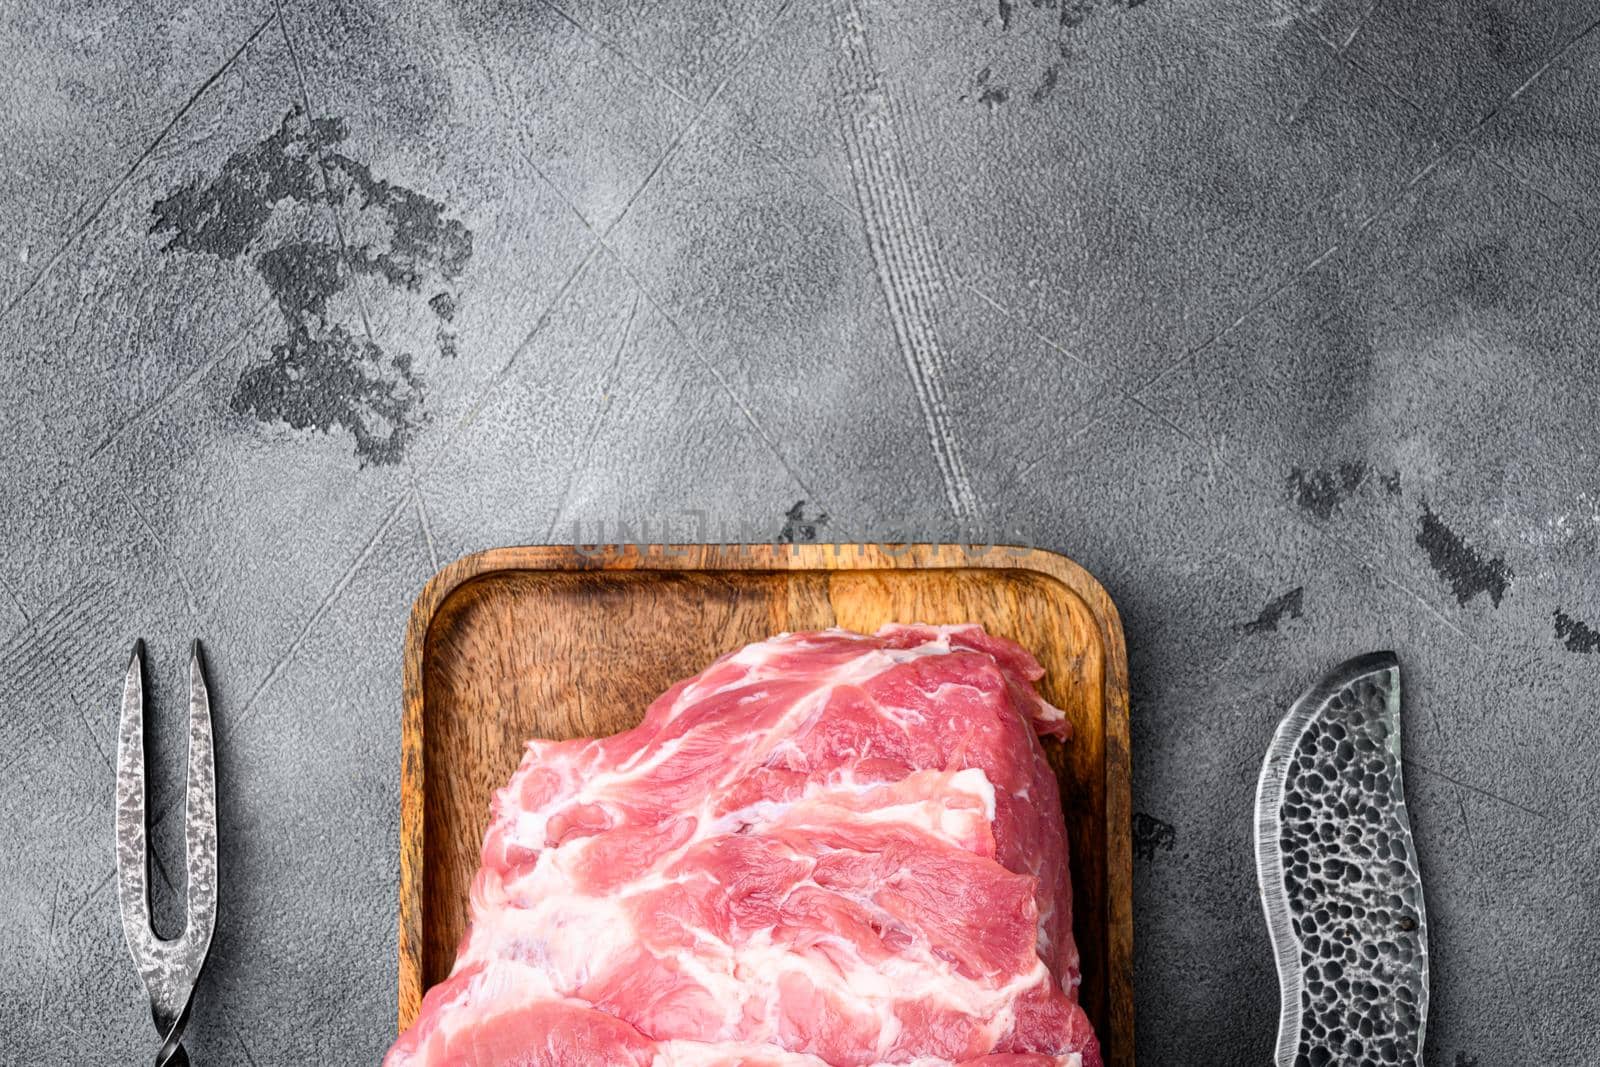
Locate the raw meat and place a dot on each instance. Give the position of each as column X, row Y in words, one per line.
column 825, row 850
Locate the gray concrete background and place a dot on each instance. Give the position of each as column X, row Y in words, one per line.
column 1278, row 316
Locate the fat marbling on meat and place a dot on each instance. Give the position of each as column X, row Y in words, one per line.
column 826, row 849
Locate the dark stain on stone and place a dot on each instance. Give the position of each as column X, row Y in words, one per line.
column 1151, row 835
column 798, row 528
column 1322, row 491
column 301, row 276
column 1047, row 85
column 1074, row 12
column 1484, row 275
column 1289, row 604
column 1464, row 1059
column 994, row 96
column 327, row 372
column 1066, row 16
column 444, row 306
column 1578, row 635
column 446, row 338
column 422, row 242
column 1453, row 560
column 334, row 379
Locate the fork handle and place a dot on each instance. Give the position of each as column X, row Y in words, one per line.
column 172, row 1053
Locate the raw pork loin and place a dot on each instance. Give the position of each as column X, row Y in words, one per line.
column 825, row 850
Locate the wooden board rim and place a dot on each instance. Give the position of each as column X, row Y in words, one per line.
column 770, row 557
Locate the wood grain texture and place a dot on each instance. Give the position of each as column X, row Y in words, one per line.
column 550, row 641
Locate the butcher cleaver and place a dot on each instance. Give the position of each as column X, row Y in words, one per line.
column 1339, row 876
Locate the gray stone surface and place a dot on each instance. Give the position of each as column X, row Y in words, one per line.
column 1278, row 316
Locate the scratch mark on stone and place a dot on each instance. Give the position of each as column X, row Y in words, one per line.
column 127, row 175
column 85, row 609
column 504, row 370
column 612, row 46
column 1527, row 83
column 20, row 749
column 766, row 151
column 1533, row 188
column 1429, row 608
column 1454, row 561
column 910, row 274
column 48, row 955
column 190, row 599
column 694, row 123
column 1579, row 635
column 1356, row 555
column 185, row 385
column 596, row 419
column 1361, row 23
column 422, row 521
column 248, row 1058
column 1016, row 316
column 557, row 192
column 322, row 164
column 321, row 609
column 1288, row 604
column 1409, row 762
column 599, row 244
column 721, row 380
column 89, row 898
column 1367, row 70
column 1105, row 411
column 1508, row 983
column 602, row 245
column 55, row 902
column 1262, row 301
column 1377, row 213
column 16, row 601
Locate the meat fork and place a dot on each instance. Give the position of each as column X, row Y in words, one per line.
column 169, row 967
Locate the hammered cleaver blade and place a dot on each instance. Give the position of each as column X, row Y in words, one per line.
column 1339, row 876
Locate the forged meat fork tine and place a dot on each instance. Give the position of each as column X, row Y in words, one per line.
column 169, row 967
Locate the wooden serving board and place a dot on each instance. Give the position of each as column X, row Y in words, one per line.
column 556, row 642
